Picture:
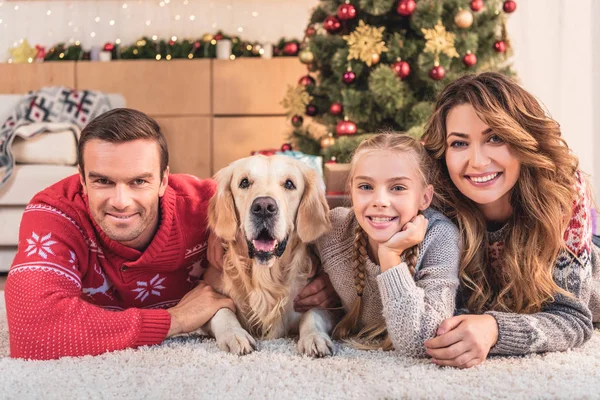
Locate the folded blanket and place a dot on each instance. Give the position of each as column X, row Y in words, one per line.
column 57, row 146
column 50, row 104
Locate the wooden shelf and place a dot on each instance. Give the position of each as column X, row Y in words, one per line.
column 212, row 112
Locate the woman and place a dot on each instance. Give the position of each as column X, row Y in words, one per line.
column 511, row 184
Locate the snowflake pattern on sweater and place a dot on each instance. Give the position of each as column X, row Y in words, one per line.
column 89, row 294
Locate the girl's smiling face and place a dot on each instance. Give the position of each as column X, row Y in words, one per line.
column 387, row 192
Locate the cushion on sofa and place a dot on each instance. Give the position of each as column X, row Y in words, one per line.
column 27, row 180
column 10, row 219
column 7, row 255
column 58, row 147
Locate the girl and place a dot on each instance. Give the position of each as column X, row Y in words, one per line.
column 513, row 187
column 392, row 260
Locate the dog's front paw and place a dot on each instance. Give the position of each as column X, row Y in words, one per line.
column 237, row 341
column 316, row 345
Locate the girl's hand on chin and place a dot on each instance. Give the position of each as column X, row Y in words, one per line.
column 410, row 235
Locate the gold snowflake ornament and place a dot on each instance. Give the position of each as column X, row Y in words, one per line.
column 296, row 100
column 365, row 42
column 439, row 41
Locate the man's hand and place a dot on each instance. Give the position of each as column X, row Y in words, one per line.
column 411, row 234
column 196, row 308
column 463, row 341
column 215, row 251
column 318, row 293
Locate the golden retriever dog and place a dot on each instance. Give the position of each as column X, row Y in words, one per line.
column 267, row 210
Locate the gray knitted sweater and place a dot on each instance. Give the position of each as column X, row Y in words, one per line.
column 566, row 322
column 412, row 307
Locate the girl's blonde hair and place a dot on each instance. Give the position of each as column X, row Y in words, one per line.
column 349, row 326
column 542, row 198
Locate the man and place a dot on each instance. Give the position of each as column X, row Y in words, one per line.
column 112, row 258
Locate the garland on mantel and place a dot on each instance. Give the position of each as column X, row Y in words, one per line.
column 167, row 49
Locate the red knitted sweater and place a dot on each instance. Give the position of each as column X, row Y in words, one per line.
column 73, row 291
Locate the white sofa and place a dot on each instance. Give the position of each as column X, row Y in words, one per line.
column 28, row 179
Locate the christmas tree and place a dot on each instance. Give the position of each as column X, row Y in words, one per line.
column 378, row 65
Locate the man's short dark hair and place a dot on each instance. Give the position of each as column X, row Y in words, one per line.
column 123, row 125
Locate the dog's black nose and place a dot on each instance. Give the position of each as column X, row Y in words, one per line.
column 264, row 207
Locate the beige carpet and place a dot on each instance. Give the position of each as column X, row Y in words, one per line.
column 193, row 367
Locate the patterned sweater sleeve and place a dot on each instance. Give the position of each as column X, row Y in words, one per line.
column 47, row 318
column 566, row 322
column 414, row 307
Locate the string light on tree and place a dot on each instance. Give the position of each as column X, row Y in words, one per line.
column 406, row 7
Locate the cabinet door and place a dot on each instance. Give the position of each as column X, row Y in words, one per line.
column 253, row 85
column 21, row 78
column 236, row 137
column 158, row 88
column 190, row 144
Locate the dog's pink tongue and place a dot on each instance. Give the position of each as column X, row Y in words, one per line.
column 264, row 245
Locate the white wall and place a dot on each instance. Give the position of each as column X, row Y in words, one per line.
column 260, row 20
column 556, row 54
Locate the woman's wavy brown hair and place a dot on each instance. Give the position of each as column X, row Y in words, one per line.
column 372, row 337
column 542, row 198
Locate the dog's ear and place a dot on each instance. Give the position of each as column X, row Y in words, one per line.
column 312, row 219
column 222, row 217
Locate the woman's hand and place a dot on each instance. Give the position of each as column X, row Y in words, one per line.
column 411, row 234
column 463, row 341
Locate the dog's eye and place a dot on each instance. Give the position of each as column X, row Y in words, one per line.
column 244, row 184
column 289, row 185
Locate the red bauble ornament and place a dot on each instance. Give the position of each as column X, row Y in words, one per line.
column 500, row 46
column 197, row 45
column 171, row 42
column 476, row 5
column 286, row 147
column 297, row 121
column 311, row 110
column 346, row 12
column 336, row 109
column 218, row 36
column 306, row 80
column 332, row 24
column 437, row 73
column 406, row 7
column 349, row 77
column 290, row 49
column 345, row 128
column 402, row 69
column 310, row 31
column 470, row 59
column 509, row 6
column 108, row 46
